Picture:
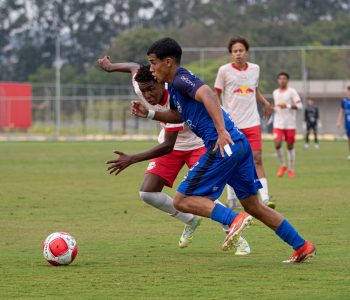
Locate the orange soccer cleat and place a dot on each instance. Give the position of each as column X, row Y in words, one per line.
column 302, row 254
column 239, row 224
column 281, row 171
column 291, row 174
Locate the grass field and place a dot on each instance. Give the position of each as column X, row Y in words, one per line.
column 128, row 250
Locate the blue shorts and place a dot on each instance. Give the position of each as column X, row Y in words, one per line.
column 347, row 130
column 212, row 172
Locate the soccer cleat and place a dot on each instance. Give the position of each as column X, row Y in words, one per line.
column 242, row 246
column 187, row 234
column 349, row 157
column 291, row 174
column 281, row 171
column 316, row 146
column 306, row 146
column 270, row 204
column 239, row 224
column 302, row 254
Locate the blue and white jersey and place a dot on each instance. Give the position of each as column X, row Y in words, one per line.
column 182, row 98
column 345, row 105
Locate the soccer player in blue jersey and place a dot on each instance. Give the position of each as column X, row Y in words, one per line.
column 344, row 112
column 228, row 159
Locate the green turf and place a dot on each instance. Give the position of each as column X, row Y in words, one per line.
column 128, row 250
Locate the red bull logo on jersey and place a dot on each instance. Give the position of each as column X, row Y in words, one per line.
column 243, row 91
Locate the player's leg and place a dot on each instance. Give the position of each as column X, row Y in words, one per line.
column 347, row 129
column 253, row 136
column 209, row 178
column 307, row 141
column 243, row 181
column 277, row 137
column 290, row 139
column 315, row 137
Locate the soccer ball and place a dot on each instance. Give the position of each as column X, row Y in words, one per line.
column 60, row 248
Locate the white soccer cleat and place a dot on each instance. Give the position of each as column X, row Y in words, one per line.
column 349, row 157
column 242, row 246
column 316, row 146
column 306, row 146
column 187, row 234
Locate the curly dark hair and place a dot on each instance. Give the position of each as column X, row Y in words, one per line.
column 235, row 40
column 283, row 74
column 144, row 74
column 166, row 47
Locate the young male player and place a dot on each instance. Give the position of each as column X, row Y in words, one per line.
column 344, row 113
column 237, row 84
column 311, row 119
column 287, row 102
column 178, row 146
column 228, row 158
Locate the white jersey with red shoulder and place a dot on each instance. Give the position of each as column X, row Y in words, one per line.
column 285, row 118
column 186, row 139
column 238, row 88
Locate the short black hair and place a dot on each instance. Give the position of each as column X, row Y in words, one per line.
column 235, row 40
column 166, row 47
column 144, row 74
column 283, row 74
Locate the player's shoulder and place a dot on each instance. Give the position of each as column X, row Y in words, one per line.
column 293, row 90
column 225, row 67
column 275, row 91
column 253, row 66
column 183, row 78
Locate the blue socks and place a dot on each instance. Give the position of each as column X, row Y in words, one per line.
column 223, row 214
column 288, row 234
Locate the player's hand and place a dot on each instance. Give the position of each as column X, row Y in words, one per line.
column 119, row 164
column 282, row 105
column 138, row 109
column 105, row 63
column 268, row 109
column 223, row 140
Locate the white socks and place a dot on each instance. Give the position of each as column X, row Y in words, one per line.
column 163, row 202
column 280, row 156
column 291, row 159
column 264, row 191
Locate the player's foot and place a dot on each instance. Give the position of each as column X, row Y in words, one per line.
column 306, row 146
column 187, row 234
column 302, row 254
column 239, row 224
column 270, row 203
column 316, row 146
column 349, row 157
column 281, row 171
column 242, row 246
column 233, row 204
column 291, row 174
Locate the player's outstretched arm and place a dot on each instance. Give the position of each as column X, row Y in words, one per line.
column 268, row 108
column 106, row 65
column 167, row 116
column 205, row 95
column 124, row 160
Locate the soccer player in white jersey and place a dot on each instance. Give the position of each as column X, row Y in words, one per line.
column 287, row 102
column 236, row 86
column 177, row 146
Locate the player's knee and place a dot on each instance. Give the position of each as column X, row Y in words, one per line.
column 290, row 146
column 147, row 197
column 179, row 204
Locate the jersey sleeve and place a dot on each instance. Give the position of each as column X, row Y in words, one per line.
column 258, row 78
column 187, row 83
column 343, row 104
column 220, row 80
column 296, row 99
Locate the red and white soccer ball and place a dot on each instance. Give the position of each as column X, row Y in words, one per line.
column 60, row 248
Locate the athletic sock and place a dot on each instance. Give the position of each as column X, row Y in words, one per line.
column 164, row 202
column 223, row 214
column 291, row 159
column 288, row 234
column 280, row 156
column 264, row 191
